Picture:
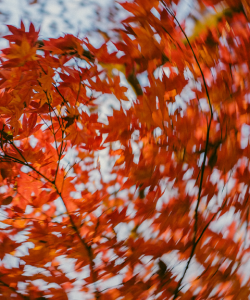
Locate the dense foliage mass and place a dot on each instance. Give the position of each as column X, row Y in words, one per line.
column 168, row 217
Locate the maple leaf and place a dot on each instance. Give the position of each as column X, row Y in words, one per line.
column 76, row 135
column 47, row 80
column 18, row 55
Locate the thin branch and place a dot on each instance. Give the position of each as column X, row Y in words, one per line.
column 195, row 57
column 204, row 159
column 85, row 245
column 14, row 290
column 25, row 163
column 83, row 242
column 59, row 122
column 50, row 131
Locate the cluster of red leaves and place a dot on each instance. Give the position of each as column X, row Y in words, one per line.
column 189, row 125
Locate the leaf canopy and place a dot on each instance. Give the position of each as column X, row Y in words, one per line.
column 153, row 202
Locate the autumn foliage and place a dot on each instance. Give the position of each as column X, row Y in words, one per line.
column 151, row 202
